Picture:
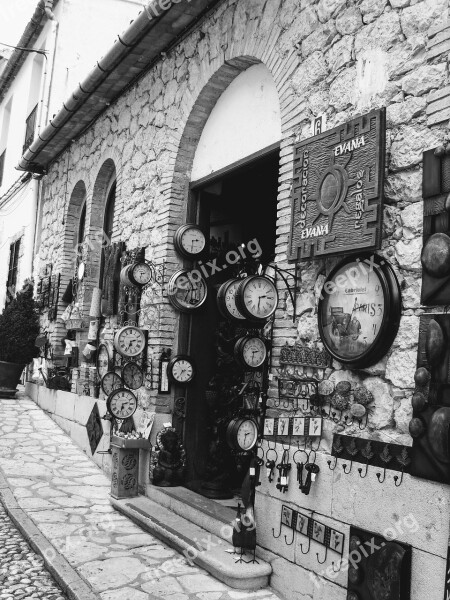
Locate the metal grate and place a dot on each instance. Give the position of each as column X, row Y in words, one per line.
column 445, row 175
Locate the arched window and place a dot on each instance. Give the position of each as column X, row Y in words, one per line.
column 108, row 222
column 108, row 228
column 82, row 225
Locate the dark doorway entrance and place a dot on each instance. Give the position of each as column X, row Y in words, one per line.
column 237, row 208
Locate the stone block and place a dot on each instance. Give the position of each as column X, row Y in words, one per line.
column 83, row 406
column 78, row 433
column 65, row 404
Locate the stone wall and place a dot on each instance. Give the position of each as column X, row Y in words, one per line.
column 336, row 57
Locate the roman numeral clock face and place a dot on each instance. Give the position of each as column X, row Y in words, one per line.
column 122, row 403
column 129, row 341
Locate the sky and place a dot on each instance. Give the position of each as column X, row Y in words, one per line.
column 14, row 16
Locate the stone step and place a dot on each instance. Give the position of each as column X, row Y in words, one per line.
column 199, row 546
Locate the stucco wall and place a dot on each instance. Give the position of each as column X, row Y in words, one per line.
column 328, row 56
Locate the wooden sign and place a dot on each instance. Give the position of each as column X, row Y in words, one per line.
column 436, row 227
column 337, row 194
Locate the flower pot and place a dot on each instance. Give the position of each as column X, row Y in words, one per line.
column 9, row 378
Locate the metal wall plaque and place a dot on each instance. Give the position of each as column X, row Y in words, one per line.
column 337, row 194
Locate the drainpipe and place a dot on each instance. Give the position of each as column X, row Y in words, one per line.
column 43, row 117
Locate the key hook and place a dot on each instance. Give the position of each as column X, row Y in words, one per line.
column 379, row 476
column 396, row 480
column 321, row 562
column 292, row 541
column 335, row 463
column 273, row 532
column 344, row 466
column 339, row 567
column 365, row 472
column 309, row 546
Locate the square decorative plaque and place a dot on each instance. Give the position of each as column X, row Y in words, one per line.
column 337, row 194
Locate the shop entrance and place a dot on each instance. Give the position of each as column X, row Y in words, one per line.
column 237, row 208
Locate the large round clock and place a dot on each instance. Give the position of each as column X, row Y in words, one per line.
column 242, row 434
column 132, row 376
column 181, row 369
column 141, row 273
column 250, row 352
column 105, row 358
column 185, row 292
column 257, row 298
column 129, row 341
column 359, row 310
column 122, row 403
column 189, row 241
column 226, row 300
column 111, row 381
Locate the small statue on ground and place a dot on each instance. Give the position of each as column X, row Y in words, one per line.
column 169, row 459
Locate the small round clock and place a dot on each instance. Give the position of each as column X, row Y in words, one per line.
column 189, row 241
column 122, row 403
column 186, row 293
column 141, row 273
column 181, row 369
column 257, row 298
column 226, row 300
column 105, row 358
column 111, row 381
column 129, row 341
column 242, row 434
column 250, row 352
column 359, row 310
column 132, row 376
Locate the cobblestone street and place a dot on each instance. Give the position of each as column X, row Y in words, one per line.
column 22, row 572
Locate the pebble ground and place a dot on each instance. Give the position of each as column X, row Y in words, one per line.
column 22, row 571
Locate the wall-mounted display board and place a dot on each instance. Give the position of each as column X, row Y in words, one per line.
column 430, row 425
column 378, row 569
column 436, row 227
column 337, row 194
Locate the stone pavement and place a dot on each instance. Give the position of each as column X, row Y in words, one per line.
column 22, row 571
column 67, row 497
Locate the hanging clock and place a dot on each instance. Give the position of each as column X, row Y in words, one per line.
column 257, row 298
column 359, row 310
column 185, row 292
column 122, row 403
column 242, row 434
column 189, row 241
column 105, row 356
column 132, row 376
column 111, row 381
column 226, row 300
column 129, row 341
column 250, row 352
column 181, row 369
column 141, row 273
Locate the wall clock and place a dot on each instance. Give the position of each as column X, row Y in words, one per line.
column 129, row 341
column 359, row 310
column 189, row 241
column 226, row 300
column 132, row 376
column 186, row 293
column 105, row 357
column 250, row 352
column 181, row 369
column 122, row 403
column 257, row 298
column 242, row 434
column 141, row 273
column 111, row 381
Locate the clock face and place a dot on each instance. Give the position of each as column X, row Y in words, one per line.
column 129, row 341
column 226, row 300
column 193, row 240
column 111, row 381
column 142, row 273
column 181, row 369
column 122, row 403
column 254, row 352
column 257, row 298
column 359, row 311
column 247, row 434
column 186, row 293
column 132, row 376
column 104, row 359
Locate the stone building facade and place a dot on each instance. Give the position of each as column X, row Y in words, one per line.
column 337, row 57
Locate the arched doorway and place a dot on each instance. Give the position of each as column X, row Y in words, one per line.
column 234, row 186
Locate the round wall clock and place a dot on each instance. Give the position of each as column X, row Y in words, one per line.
column 181, row 369
column 242, row 434
column 132, row 376
column 105, row 358
column 141, row 273
column 129, row 341
column 359, row 310
column 250, row 352
column 257, row 298
column 226, row 300
column 122, row 403
column 186, row 294
column 189, row 241
column 111, row 381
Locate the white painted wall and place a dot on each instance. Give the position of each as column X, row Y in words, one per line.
column 82, row 32
column 246, row 119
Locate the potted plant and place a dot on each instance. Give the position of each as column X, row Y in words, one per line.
column 19, row 328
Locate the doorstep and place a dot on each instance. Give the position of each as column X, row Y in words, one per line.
column 212, row 552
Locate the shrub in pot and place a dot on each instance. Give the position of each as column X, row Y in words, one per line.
column 19, row 328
